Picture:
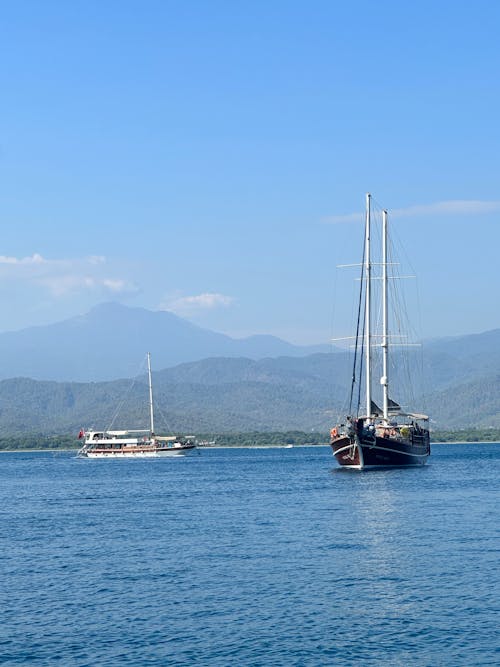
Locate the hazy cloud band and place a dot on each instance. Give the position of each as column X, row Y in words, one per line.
column 452, row 207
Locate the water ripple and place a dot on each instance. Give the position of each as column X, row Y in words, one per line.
column 254, row 558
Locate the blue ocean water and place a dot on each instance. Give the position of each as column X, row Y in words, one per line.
column 250, row 557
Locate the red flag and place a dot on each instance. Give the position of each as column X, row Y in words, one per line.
column 81, row 434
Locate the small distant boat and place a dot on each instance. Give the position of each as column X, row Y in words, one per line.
column 379, row 437
column 136, row 443
column 206, row 443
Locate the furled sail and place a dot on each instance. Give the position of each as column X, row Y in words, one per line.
column 394, row 408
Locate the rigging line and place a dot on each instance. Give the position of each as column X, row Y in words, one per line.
column 407, row 365
column 334, row 301
column 163, row 417
column 353, row 379
column 424, row 387
column 362, row 357
column 127, row 394
column 416, row 366
column 376, row 209
column 332, row 321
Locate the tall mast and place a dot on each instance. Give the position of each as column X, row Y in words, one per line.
column 368, row 269
column 152, row 426
column 384, row 381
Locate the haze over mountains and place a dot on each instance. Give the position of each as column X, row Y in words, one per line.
column 111, row 340
column 283, row 387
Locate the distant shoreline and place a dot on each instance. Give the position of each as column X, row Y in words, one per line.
column 20, row 450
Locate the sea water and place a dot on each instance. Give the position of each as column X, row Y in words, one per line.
column 249, row 557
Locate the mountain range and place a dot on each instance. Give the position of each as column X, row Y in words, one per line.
column 283, row 387
column 110, row 340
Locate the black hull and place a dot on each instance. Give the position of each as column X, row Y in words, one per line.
column 380, row 452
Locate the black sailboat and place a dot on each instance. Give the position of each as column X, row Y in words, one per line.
column 373, row 436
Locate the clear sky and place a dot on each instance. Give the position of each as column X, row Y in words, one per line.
column 205, row 156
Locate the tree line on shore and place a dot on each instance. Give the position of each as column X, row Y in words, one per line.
column 240, row 439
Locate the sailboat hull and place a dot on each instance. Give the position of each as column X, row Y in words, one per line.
column 379, row 452
column 135, row 453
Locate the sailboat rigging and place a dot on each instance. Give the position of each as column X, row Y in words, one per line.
column 387, row 436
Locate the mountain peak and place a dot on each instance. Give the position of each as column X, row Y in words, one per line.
column 109, row 341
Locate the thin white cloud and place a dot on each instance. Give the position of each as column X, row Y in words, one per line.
column 96, row 259
column 116, row 285
column 62, row 277
column 188, row 305
column 23, row 261
column 442, row 208
column 63, row 285
column 452, row 207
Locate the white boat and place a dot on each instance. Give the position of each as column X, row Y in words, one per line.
column 136, row 443
column 369, row 436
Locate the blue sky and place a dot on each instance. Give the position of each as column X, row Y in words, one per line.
column 206, row 157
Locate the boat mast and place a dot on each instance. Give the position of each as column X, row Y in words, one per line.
column 368, row 269
column 152, row 427
column 384, row 381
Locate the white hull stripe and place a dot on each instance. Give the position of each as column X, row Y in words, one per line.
column 380, row 449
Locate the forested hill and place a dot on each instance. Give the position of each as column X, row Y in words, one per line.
column 224, row 395
column 211, row 395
